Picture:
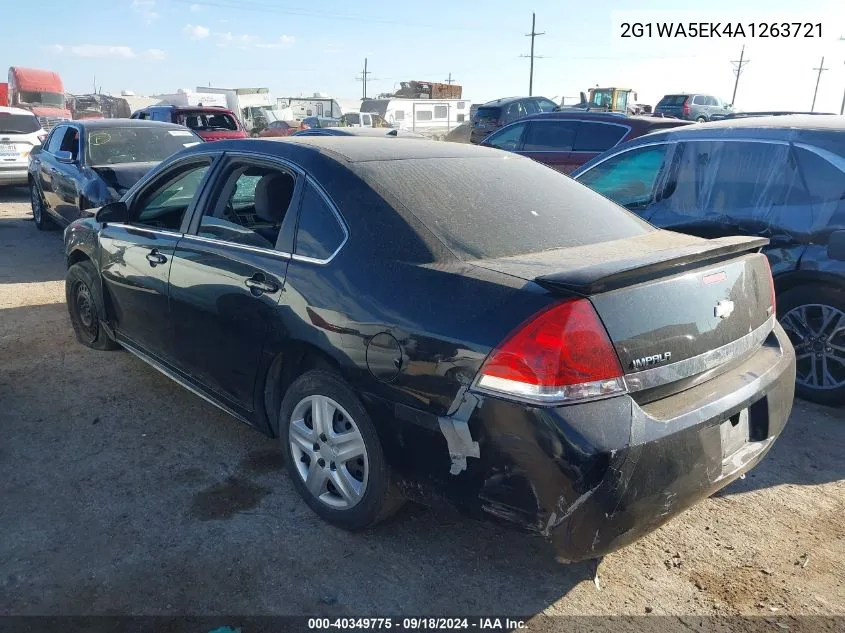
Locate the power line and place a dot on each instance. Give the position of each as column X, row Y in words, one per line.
column 533, row 34
column 738, row 71
column 818, row 78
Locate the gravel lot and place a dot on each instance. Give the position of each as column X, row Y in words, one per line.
column 123, row 493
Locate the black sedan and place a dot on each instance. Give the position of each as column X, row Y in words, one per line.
column 525, row 348
column 83, row 165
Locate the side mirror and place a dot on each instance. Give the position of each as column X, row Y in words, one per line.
column 112, row 212
column 64, row 157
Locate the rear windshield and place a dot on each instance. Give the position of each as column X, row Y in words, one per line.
column 109, row 146
column 487, row 114
column 18, row 123
column 521, row 207
column 673, row 100
column 208, row 121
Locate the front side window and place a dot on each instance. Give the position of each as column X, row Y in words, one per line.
column 550, row 136
column 597, row 137
column 507, row 138
column 250, row 206
column 530, row 106
column 319, row 233
column 136, row 144
column 54, row 143
column 164, row 202
column 627, row 178
column 712, row 101
column 699, row 100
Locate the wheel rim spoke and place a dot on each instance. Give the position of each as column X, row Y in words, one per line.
column 316, row 479
column 322, row 412
column 347, row 446
column 348, row 487
column 302, row 437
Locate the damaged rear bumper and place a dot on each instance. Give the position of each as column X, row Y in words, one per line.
column 595, row 477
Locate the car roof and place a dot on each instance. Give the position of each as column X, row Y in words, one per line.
column 99, row 124
column 7, row 110
column 503, row 101
column 638, row 122
column 377, row 132
column 355, row 149
column 765, row 126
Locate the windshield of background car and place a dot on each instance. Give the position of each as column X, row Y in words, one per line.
column 18, row 123
column 51, row 99
column 523, row 207
column 487, row 115
column 208, row 121
column 109, row 146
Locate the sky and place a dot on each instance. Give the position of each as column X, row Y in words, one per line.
column 298, row 47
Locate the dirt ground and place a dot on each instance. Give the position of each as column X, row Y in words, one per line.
column 123, row 493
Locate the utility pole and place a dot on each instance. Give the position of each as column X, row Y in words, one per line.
column 738, row 71
column 450, row 81
column 818, row 78
column 363, row 78
column 532, row 35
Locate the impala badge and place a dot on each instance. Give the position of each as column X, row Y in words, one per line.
column 648, row 361
column 724, row 309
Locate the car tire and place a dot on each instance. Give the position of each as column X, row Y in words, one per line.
column 85, row 305
column 813, row 317
column 701, row 119
column 43, row 221
column 374, row 496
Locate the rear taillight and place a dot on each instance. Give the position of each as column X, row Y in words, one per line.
column 685, row 109
column 560, row 355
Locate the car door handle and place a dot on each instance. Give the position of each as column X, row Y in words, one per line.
column 258, row 284
column 155, row 258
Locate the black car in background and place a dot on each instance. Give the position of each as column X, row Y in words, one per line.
column 782, row 178
column 492, row 115
column 86, row 164
column 526, row 349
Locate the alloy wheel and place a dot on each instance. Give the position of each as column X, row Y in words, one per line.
column 85, row 311
column 817, row 332
column 329, row 452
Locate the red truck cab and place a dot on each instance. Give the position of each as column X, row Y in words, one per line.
column 4, row 94
column 41, row 92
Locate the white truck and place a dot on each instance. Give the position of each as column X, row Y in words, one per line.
column 184, row 97
column 319, row 105
column 254, row 106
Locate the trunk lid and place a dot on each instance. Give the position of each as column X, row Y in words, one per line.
column 675, row 306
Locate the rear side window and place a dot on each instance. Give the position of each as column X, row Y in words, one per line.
column 18, row 123
column 208, row 122
column 597, row 137
column 700, row 100
column 523, row 207
column 353, row 119
column 550, row 136
column 319, row 233
column 673, row 100
column 627, row 178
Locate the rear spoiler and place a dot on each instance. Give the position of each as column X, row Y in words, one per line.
column 609, row 275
